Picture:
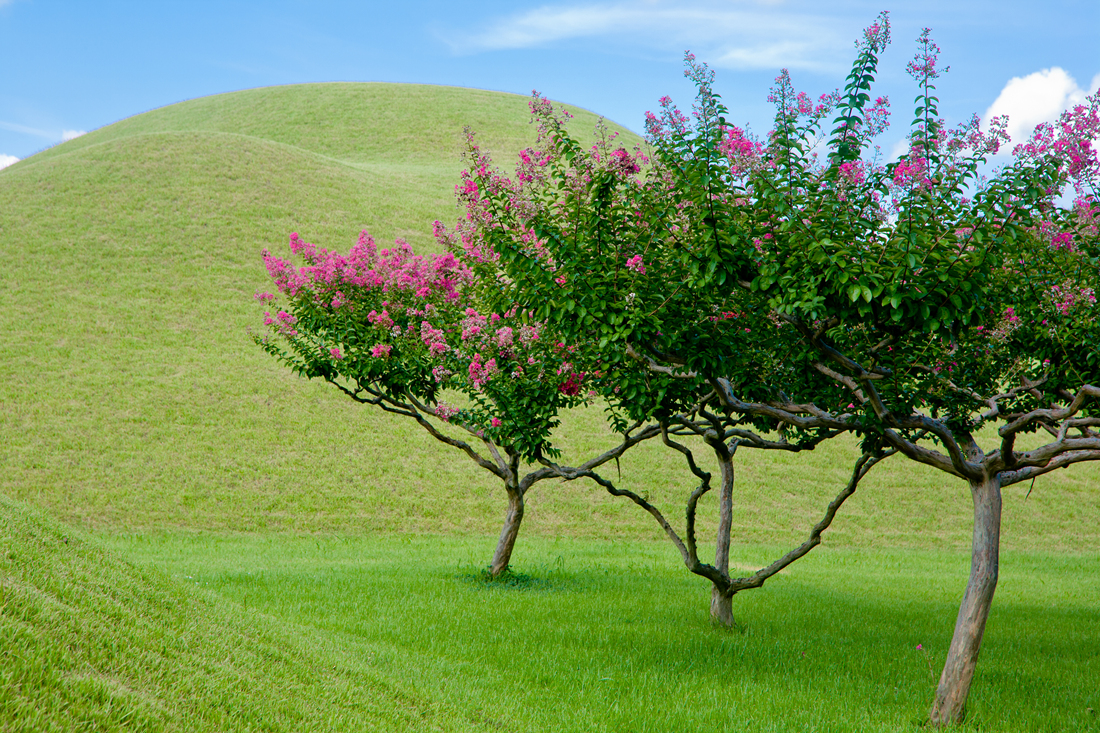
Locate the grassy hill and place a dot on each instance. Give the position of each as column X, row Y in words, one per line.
column 133, row 399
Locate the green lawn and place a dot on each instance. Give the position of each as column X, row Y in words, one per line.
column 616, row 636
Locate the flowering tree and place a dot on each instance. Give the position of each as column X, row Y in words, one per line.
column 570, row 234
column 401, row 332
column 818, row 291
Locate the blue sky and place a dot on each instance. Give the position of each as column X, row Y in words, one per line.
column 76, row 66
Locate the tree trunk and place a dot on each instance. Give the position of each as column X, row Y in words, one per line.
column 721, row 607
column 508, row 533
column 962, row 657
column 721, row 601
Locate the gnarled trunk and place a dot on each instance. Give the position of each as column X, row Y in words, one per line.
column 721, row 600
column 508, row 533
column 962, row 657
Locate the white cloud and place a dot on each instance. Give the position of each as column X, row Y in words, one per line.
column 900, row 148
column 6, row 160
column 1035, row 98
column 756, row 35
column 67, row 135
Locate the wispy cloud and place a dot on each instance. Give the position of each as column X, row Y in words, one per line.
column 754, row 35
column 6, row 160
column 11, row 126
column 65, row 134
column 1036, row 98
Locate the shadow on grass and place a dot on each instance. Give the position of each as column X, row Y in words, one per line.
column 508, row 580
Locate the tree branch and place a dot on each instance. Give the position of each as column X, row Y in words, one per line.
column 863, row 465
column 1053, row 414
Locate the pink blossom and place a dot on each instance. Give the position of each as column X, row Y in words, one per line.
column 911, row 171
column 495, row 422
column 336, row 353
column 528, row 334
column 852, row 172
column 623, row 162
column 636, row 264
column 1066, row 295
column 429, row 334
column 445, row 412
column 381, row 351
column 923, row 66
column 473, row 324
column 481, row 373
column 877, row 35
column 504, row 337
column 572, row 386
column 382, row 320
column 744, row 154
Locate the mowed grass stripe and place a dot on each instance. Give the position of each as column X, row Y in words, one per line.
column 90, row 642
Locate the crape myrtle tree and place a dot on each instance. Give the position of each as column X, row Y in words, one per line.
column 574, row 235
column 937, row 312
column 402, row 332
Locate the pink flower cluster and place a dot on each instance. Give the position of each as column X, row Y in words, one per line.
column 795, row 104
column 1071, row 141
column 532, row 165
column 745, row 154
column 623, row 163
column 877, row 35
column 445, row 412
column 969, row 137
column 482, row 373
column 364, row 267
column 283, row 321
column 382, row 320
column 473, row 324
column 636, row 264
column 923, row 66
column 572, row 385
column 853, row 172
column 671, row 121
column 912, row 171
column 1065, row 296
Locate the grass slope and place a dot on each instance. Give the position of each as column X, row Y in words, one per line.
column 134, row 400
column 89, row 642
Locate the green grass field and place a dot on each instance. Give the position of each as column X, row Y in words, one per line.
column 269, row 519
